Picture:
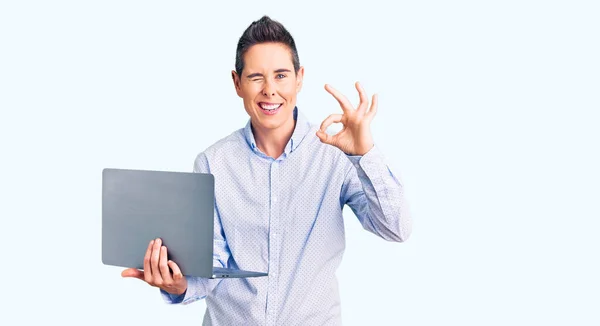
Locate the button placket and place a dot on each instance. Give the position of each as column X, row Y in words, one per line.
column 272, row 300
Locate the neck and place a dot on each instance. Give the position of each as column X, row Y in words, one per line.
column 272, row 142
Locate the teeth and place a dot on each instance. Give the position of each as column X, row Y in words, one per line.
column 269, row 106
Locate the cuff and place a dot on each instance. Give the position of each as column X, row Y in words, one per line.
column 194, row 291
column 374, row 155
column 172, row 298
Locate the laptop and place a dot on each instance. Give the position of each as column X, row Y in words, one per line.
column 178, row 207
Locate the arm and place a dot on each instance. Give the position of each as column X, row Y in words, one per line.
column 199, row 287
column 370, row 188
column 376, row 196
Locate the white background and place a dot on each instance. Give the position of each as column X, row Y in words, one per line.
column 488, row 110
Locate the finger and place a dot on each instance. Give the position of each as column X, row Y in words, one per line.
column 147, row 269
column 373, row 109
column 177, row 274
column 132, row 272
column 154, row 260
column 324, row 137
column 329, row 120
column 343, row 100
column 364, row 101
column 165, row 273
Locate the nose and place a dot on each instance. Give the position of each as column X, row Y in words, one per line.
column 268, row 90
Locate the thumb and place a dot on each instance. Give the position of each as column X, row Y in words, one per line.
column 132, row 272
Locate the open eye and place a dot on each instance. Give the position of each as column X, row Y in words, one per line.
column 279, row 76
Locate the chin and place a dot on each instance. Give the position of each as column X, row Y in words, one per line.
column 271, row 124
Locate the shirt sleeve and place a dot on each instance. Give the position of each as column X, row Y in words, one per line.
column 199, row 287
column 376, row 196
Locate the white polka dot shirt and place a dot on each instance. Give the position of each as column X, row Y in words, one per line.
column 284, row 216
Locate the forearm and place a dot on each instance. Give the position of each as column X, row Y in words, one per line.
column 381, row 205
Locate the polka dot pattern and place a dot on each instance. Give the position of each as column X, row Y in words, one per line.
column 284, row 216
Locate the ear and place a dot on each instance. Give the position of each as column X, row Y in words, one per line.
column 236, row 83
column 299, row 78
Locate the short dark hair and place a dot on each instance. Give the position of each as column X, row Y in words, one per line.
column 264, row 30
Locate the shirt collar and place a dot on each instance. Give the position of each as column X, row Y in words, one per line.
column 300, row 131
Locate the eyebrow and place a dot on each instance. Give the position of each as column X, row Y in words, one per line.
column 258, row 74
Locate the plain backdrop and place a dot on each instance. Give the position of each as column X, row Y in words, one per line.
column 488, row 111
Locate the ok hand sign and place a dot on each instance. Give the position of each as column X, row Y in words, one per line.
column 355, row 137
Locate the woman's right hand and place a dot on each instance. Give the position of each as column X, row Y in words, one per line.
column 156, row 270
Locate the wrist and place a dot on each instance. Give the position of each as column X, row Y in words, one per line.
column 179, row 292
column 361, row 151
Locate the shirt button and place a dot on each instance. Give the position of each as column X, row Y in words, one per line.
column 274, row 199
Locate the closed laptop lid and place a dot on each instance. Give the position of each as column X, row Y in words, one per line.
column 178, row 207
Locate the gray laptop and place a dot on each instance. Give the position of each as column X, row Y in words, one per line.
column 178, row 207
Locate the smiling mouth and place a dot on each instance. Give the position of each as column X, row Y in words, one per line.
column 269, row 106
